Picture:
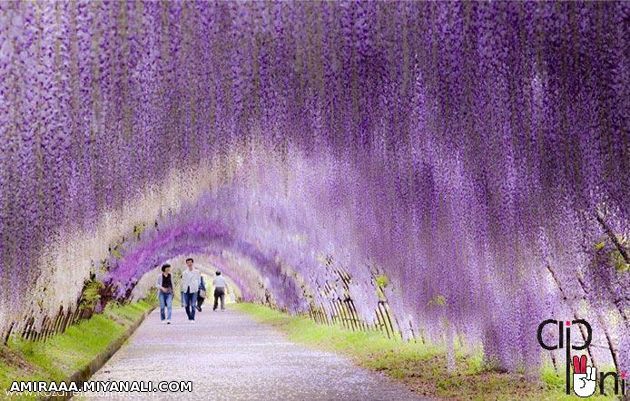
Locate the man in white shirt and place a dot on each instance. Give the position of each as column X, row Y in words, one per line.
column 190, row 285
column 219, row 291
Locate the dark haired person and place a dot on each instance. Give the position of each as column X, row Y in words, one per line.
column 190, row 284
column 165, row 293
column 201, row 295
column 219, row 291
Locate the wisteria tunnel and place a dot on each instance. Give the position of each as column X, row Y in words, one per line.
column 449, row 170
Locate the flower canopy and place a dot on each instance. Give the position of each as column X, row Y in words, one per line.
column 475, row 154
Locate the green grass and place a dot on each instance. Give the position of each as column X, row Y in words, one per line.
column 421, row 367
column 62, row 355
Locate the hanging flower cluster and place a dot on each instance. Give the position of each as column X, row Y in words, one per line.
column 474, row 154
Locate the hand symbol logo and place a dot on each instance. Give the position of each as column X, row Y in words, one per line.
column 584, row 377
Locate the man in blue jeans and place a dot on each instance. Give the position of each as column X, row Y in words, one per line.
column 190, row 284
column 165, row 288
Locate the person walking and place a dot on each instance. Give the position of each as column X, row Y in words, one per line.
column 182, row 290
column 201, row 295
column 219, row 291
column 190, row 283
column 165, row 289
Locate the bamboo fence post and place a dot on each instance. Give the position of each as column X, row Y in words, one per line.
column 44, row 329
column 23, row 333
column 50, row 330
column 340, row 318
column 5, row 339
column 75, row 316
column 354, row 318
column 381, row 318
column 66, row 320
column 334, row 316
column 349, row 316
column 413, row 334
column 355, row 312
column 60, row 317
column 37, row 334
column 26, row 333
column 343, row 314
column 389, row 319
column 327, row 319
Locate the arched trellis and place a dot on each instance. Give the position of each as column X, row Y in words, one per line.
column 333, row 305
column 453, row 145
column 197, row 237
column 280, row 288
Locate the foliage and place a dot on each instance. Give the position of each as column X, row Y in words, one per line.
column 91, row 296
column 382, row 281
column 438, row 300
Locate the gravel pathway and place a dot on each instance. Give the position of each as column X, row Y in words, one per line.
column 228, row 356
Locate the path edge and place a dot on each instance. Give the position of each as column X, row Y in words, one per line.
column 101, row 359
